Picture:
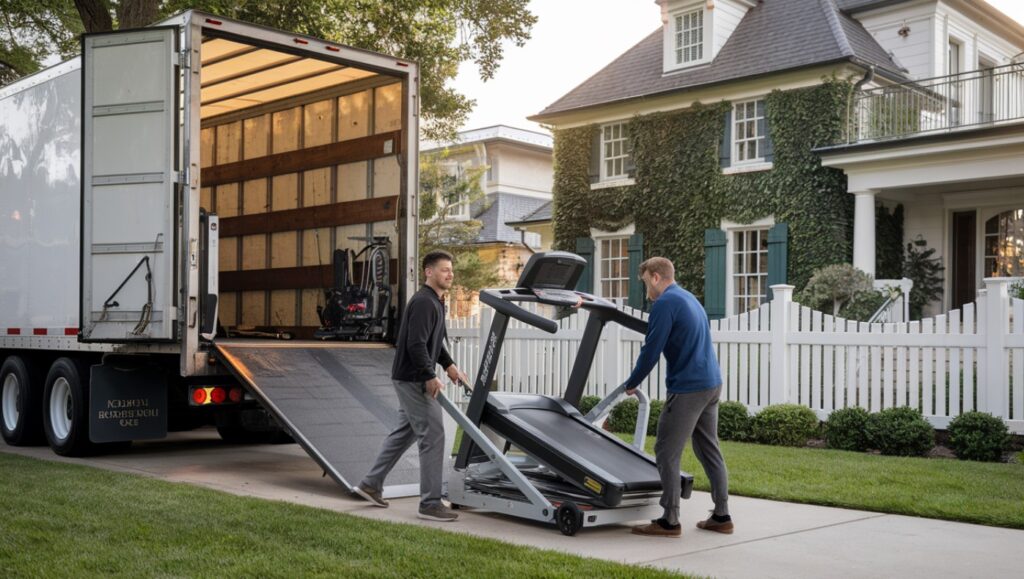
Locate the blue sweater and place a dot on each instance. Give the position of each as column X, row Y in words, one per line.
column 678, row 327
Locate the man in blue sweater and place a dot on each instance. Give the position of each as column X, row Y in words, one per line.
column 678, row 327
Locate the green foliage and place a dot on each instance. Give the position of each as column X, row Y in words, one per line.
column 587, row 403
column 863, row 305
column 33, row 30
column 889, row 243
column 926, row 273
column 439, row 35
column 785, row 425
column 623, row 416
column 444, row 185
column 832, row 286
column 900, row 431
column 978, row 436
column 1017, row 290
column 680, row 190
column 846, row 429
column 734, row 422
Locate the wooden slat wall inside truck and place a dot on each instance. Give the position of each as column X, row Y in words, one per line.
column 272, row 269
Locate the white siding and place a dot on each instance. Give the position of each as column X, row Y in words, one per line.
column 727, row 16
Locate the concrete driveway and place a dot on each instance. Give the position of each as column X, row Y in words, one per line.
column 772, row 539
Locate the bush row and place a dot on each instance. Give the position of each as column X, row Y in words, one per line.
column 901, row 431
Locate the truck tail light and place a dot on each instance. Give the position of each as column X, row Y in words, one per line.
column 218, row 395
column 215, row 395
column 199, row 396
column 235, row 395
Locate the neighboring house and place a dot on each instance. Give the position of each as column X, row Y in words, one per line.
column 538, row 222
column 703, row 143
column 517, row 182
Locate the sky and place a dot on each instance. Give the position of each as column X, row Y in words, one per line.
column 572, row 40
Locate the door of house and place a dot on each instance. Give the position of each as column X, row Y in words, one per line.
column 964, row 229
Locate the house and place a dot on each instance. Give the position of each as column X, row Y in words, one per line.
column 538, row 222
column 705, row 143
column 516, row 182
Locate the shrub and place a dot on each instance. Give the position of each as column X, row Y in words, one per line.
column 978, row 436
column 734, row 421
column 623, row 416
column 901, row 431
column 846, row 429
column 862, row 306
column 833, row 286
column 785, row 425
column 587, row 403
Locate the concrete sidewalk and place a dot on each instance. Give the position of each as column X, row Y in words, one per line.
column 772, row 539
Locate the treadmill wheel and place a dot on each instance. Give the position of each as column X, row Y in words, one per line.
column 569, row 518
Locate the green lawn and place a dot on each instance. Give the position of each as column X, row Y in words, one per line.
column 956, row 490
column 71, row 521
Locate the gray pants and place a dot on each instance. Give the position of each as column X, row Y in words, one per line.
column 684, row 415
column 419, row 420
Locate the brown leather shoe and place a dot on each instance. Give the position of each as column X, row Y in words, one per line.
column 656, row 530
column 712, row 525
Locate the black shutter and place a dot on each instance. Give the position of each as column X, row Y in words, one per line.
column 585, row 249
column 636, row 257
column 725, row 145
column 778, row 256
column 714, row 273
column 595, row 155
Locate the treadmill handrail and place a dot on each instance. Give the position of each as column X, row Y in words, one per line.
column 643, row 413
column 504, row 306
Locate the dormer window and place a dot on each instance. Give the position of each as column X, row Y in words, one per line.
column 689, row 36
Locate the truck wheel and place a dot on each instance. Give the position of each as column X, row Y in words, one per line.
column 65, row 409
column 21, row 406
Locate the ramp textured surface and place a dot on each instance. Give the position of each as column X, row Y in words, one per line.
column 336, row 400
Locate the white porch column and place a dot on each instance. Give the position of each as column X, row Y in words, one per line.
column 864, row 231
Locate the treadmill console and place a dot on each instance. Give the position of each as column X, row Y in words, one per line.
column 557, row 297
column 554, row 270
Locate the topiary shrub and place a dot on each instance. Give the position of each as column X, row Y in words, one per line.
column 587, row 403
column 833, row 286
column 623, row 416
column 846, row 429
column 785, row 425
column 978, row 436
column 734, row 422
column 901, row 431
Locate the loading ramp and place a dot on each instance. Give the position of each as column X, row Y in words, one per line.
column 335, row 399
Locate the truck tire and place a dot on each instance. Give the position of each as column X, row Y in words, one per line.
column 21, row 406
column 66, row 409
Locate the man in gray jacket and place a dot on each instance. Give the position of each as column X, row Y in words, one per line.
column 419, row 349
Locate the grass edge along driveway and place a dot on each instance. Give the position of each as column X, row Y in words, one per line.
column 67, row 520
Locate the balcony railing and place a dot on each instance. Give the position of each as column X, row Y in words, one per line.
column 972, row 99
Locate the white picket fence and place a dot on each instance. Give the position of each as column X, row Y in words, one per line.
column 969, row 359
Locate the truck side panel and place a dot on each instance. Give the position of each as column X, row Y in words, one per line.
column 40, row 143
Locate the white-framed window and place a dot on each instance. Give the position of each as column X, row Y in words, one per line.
column 688, row 32
column 746, row 265
column 748, row 140
column 615, row 151
column 611, row 264
column 1004, row 244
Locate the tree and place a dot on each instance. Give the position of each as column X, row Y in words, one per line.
column 445, row 187
column 438, row 34
column 926, row 272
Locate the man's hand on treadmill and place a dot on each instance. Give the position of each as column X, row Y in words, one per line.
column 631, row 392
column 434, row 386
column 456, row 375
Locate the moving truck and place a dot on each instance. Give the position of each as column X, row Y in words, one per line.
column 169, row 205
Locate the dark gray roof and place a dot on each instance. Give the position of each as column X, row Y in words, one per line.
column 504, row 208
column 542, row 214
column 774, row 36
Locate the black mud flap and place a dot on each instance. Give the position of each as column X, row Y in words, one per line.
column 127, row 403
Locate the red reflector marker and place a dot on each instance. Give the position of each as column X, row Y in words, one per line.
column 217, row 395
column 333, row 48
column 70, row 331
column 212, row 21
column 300, row 41
column 199, row 396
column 13, row 331
column 39, row 331
column 235, row 394
column 401, row 63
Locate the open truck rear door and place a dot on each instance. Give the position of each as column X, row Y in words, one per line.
column 130, row 137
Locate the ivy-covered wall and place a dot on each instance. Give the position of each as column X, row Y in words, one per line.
column 680, row 190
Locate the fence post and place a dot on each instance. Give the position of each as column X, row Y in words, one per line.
column 993, row 394
column 778, row 386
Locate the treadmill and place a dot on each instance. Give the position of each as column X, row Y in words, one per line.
column 554, row 464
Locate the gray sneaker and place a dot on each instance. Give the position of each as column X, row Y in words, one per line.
column 372, row 495
column 438, row 513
